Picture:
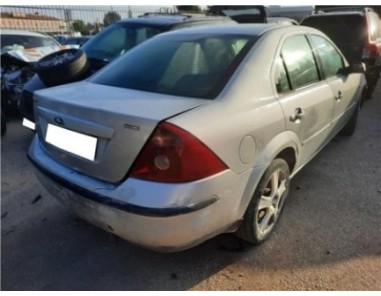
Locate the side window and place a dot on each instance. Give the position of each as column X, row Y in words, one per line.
column 331, row 60
column 299, row 61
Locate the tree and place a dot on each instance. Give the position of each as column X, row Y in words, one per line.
column 189, row 8
column 110, row 18
column 79, row 26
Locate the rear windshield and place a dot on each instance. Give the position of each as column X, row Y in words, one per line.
column 190, row 66
column 340, row 28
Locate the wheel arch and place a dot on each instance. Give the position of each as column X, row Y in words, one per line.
column 286, row 146
column 289, row 155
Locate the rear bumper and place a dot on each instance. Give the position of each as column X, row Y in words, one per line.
column 74, row 189
column 163, row 234
column 162, row 217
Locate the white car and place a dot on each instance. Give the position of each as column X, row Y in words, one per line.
column 20, row 50
column 195, row 132
column 19, row 40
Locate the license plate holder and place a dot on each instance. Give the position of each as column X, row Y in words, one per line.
column 76, row 143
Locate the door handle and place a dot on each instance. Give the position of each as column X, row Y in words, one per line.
column 297, row 116
column 338, row 96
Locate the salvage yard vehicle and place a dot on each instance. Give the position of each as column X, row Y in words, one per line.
column 199, row 139
column 240, row 13
column 356, row 30
column 80, row 40
column 101, row 49
column 20, row 50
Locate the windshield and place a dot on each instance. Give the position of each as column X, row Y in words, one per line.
column 191, row 66
column 15, row 42
column 116, row 40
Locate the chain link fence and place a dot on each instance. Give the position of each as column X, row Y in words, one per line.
column 59, row 19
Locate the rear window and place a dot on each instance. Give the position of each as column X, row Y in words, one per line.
column 190, row 66
column 340, row 28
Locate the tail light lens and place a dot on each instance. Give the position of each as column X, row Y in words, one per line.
column 370, row 52
column 173, row 155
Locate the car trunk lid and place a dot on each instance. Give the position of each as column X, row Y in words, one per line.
column 99, row 130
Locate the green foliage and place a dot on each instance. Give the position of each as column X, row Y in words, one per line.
column 110, row 18
column 79, row 26
column 188, row 8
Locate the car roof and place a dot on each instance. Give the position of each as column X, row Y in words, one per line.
column 230, row 29
column 334, row 13
column 343, row 9
column 21, row 32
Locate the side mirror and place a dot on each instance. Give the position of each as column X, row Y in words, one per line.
column 353, row 68
column 358, row 68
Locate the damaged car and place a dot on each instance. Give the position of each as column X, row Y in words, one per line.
column 20, row 50
column 201, row 138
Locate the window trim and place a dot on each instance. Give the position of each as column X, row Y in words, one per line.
column 316, row 61
column 317, row 55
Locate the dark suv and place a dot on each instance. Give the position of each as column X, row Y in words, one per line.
column 74, row 64
column 356, row 31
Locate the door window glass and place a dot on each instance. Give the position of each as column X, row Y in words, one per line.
column 330, row 58
column 299, row 61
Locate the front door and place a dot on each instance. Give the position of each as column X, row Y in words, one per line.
column 344, row 85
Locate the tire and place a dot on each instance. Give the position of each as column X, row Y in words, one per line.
column 350, row 127
column 265, row 207
column 62, row 67
column 372, row 82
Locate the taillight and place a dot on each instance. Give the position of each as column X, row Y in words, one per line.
column 370, row 52
column 173, row 155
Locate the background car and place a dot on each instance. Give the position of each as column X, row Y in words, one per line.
column 18, row 39
column 200, row 138
column 80, row 41
column 61, row 38
column 19, row 51
column 282, row 21
column 356, row 31
column 104, row 48
column 240, row 13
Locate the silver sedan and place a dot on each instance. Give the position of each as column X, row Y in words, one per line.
column 195, row 132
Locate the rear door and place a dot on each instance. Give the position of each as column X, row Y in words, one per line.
column 307, row 101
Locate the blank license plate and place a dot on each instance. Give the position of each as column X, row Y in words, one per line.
column 29, row 124
column 73, row 142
